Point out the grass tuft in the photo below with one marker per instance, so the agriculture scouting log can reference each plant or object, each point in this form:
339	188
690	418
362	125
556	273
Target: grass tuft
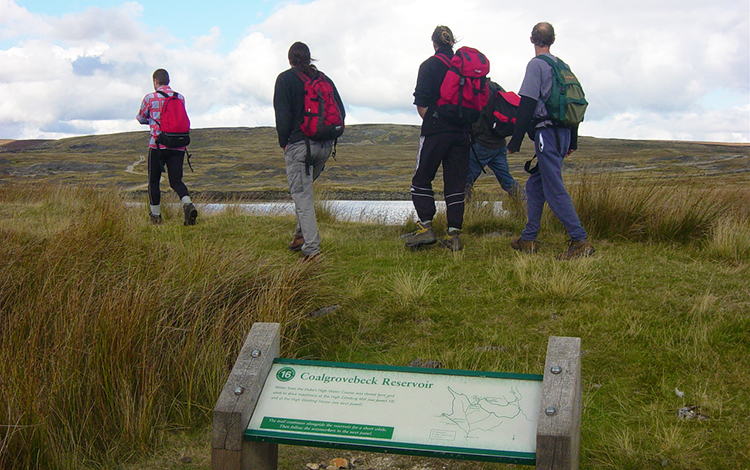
410	287
547	278
729	240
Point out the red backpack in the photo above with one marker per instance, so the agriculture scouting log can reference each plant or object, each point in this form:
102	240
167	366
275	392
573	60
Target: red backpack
323	118
504	112
464	90
174	124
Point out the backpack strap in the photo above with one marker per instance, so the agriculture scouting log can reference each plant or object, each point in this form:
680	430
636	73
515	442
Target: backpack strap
301	76
307	78
165	95
443	58
188	160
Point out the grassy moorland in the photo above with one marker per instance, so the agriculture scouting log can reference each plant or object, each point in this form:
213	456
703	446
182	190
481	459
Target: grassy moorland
116	336
374	161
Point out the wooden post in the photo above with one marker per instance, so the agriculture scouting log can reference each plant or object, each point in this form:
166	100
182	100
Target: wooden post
237	401
558	437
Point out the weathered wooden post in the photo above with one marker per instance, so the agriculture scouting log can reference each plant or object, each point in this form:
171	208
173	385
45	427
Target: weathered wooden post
559	426
237	401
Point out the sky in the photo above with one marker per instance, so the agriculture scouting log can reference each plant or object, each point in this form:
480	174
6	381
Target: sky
651	69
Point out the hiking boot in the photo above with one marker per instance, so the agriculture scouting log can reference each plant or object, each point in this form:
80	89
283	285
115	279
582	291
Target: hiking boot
310	258
526	246
452	241
577	249
155	219
424	235
296	243
190	213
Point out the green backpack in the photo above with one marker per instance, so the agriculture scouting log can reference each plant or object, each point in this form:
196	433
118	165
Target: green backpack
566	103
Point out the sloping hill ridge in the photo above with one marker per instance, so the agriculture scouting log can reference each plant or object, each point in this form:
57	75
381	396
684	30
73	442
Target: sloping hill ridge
373	161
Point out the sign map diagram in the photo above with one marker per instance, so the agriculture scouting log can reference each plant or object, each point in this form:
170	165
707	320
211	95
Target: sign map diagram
483	413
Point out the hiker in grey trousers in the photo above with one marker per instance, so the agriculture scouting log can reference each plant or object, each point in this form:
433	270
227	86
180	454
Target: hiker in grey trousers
300	178
302	168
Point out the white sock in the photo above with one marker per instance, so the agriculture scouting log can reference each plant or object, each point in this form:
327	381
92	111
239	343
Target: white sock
186	200
156	210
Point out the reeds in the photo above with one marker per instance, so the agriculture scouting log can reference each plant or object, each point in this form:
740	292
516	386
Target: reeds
611	207
112	332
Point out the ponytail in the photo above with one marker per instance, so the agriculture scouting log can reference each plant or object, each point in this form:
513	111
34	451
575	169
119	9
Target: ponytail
443	36
299	58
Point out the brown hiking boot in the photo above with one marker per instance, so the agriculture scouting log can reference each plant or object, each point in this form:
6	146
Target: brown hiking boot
526	246
577	249
296	243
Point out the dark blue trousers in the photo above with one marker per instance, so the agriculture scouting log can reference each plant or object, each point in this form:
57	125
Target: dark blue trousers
546	185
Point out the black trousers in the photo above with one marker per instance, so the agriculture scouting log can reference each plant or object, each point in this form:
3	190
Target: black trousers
451	149
173	161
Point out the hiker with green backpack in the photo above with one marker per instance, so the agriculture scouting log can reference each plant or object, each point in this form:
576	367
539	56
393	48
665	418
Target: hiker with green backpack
551	107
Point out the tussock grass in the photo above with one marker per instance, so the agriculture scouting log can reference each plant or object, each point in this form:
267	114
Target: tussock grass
112	332
609	207
547	278
410	287
729	240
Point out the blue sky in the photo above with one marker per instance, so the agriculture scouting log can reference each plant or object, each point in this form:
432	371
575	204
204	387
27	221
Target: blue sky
194	18
671	69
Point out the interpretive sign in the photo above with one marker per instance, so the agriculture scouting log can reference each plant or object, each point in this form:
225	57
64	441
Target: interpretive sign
443	413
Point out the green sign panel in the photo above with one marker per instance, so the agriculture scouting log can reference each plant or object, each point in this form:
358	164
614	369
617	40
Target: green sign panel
326	427
486	416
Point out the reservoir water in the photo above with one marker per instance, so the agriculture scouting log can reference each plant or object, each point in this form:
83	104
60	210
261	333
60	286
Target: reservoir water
376	212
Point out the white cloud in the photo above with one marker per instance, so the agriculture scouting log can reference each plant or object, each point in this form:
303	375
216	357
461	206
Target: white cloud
16	21
650	69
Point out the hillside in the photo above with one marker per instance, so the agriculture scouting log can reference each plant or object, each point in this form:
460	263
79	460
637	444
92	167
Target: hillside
373	161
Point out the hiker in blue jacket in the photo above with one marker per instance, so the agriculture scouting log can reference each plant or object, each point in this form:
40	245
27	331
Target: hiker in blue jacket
440	143
552	143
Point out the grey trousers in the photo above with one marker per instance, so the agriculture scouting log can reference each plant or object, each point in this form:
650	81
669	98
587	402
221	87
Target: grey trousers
301	188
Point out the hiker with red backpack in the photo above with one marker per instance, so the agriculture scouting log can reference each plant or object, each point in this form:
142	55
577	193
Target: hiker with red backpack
309	118
541	114
489	148
166	151
450	92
